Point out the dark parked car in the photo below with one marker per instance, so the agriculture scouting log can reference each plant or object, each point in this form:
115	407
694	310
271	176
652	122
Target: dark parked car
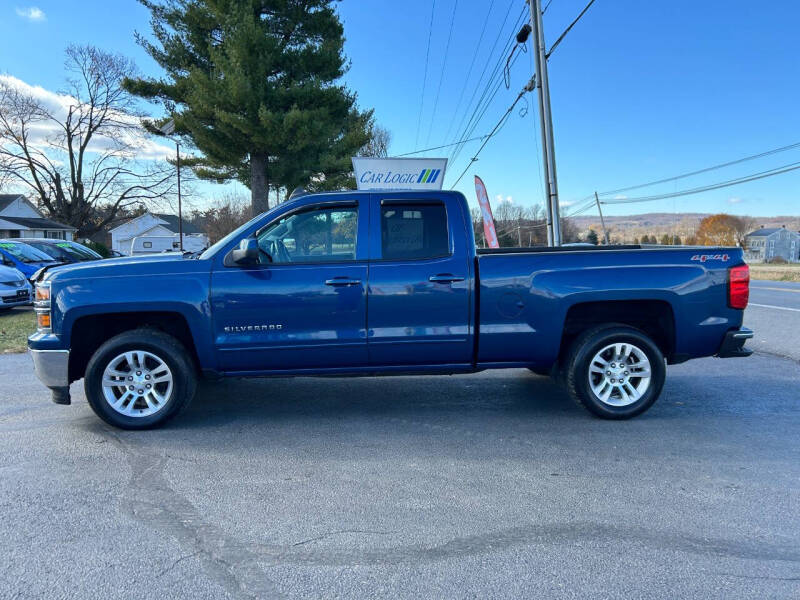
62	251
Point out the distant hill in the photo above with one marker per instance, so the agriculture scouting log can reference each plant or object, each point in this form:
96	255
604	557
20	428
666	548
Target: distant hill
625	228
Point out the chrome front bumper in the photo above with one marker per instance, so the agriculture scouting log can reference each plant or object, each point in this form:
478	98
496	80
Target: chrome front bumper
52	367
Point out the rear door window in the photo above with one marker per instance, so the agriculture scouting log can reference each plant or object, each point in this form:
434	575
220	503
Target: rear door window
412	231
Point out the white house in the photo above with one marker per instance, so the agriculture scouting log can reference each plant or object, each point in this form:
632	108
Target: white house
19	218
153	225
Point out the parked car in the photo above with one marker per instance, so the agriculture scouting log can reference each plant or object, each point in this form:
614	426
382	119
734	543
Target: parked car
15	290
23	257
287	294
62	251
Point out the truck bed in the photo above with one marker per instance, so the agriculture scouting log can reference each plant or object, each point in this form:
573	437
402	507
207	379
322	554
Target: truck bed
529	296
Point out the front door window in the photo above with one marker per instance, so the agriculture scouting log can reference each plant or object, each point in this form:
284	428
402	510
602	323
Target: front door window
311	236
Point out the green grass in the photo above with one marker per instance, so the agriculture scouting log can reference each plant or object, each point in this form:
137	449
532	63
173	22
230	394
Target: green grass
15	327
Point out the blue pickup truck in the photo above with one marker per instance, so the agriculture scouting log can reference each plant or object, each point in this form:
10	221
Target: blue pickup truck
370	283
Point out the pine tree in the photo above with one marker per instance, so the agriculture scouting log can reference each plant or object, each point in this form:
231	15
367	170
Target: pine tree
254	85
591	237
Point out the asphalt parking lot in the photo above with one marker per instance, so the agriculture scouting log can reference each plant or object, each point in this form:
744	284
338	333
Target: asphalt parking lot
485	485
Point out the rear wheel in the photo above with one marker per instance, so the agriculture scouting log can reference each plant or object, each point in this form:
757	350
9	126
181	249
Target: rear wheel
140	379
615	372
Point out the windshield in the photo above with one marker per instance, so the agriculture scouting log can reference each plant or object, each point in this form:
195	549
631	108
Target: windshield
86	253
212	250
24	252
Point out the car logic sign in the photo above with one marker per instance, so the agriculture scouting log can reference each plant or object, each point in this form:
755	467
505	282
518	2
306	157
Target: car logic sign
399	173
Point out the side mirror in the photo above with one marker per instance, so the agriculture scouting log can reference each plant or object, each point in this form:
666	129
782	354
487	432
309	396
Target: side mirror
246	253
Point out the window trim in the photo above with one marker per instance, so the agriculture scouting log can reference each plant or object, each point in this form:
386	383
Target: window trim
412	202
303	209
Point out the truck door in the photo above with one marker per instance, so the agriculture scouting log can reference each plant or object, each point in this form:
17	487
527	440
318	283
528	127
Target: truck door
304	305
420	281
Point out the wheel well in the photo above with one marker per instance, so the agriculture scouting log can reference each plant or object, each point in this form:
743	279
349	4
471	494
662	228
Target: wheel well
653	317
90	332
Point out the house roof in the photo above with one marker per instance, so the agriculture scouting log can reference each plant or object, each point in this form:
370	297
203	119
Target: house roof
38	223
6	199
171	223
764	232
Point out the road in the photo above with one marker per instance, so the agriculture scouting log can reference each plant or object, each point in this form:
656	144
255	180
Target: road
484	485
774	315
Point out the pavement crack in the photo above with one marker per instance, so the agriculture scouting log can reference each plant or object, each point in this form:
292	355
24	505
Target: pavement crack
176	562
342	531
151	500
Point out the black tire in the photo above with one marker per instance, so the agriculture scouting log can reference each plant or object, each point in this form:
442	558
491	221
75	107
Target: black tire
578	364
159	344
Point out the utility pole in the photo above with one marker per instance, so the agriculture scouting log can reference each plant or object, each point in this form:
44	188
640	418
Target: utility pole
180	211
546	119
168	129
602	220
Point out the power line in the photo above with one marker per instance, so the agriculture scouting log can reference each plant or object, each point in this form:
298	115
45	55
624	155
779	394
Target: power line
566	31
469	71
704	170
714	186
483	71
425	76
441	76
549	2
484	102
480	137
499	124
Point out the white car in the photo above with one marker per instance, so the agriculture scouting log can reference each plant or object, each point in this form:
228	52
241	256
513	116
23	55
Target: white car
14	289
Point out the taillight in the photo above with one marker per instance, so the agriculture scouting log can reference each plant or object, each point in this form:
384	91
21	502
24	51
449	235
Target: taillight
738	286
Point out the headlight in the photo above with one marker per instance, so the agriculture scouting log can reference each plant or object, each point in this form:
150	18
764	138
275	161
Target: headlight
43	293
42	307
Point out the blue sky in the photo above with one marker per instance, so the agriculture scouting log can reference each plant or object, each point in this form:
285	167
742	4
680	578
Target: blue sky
640	90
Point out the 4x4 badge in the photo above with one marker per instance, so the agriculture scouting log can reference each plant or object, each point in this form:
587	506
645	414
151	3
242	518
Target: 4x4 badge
704	257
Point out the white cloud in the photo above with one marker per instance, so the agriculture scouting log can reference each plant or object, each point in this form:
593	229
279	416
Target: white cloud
500	199
566	203
144	146
32	13
620	197
734	200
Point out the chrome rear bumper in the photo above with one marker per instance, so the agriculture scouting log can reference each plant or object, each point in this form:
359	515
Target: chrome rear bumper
733	344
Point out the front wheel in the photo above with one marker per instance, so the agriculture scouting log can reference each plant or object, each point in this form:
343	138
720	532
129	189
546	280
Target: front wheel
140	379
615	372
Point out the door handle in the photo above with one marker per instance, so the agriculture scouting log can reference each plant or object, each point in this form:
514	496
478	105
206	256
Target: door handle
445	278
342	281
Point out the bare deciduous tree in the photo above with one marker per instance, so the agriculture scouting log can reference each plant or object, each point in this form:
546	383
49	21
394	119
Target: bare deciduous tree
378	144
225	215
515	225
77	152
